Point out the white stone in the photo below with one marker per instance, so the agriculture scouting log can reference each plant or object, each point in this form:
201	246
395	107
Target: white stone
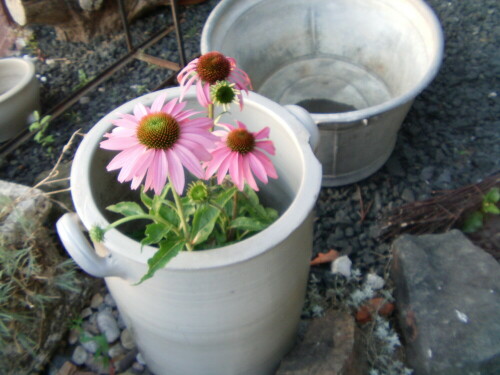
108	326
342	265
374	281
79	356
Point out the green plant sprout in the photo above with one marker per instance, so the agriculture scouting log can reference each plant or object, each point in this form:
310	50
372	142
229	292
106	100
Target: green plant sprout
489	205
39	127
101	352
83	79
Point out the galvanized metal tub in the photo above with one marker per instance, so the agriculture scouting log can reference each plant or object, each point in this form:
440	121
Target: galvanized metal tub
356	65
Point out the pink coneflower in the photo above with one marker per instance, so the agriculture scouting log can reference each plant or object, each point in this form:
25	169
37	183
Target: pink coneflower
241	153
207	70
157	143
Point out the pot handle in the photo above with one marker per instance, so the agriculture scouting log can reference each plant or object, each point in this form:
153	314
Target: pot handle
69	229
307	121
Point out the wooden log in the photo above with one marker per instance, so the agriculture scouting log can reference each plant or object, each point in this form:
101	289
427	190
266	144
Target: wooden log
78	20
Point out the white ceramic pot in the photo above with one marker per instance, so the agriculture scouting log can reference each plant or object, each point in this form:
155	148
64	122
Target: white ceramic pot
231	310
19	96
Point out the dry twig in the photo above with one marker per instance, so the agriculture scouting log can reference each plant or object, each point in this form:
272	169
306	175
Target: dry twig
437	214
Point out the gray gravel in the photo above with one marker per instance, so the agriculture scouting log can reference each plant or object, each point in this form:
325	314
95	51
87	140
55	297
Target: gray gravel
450	137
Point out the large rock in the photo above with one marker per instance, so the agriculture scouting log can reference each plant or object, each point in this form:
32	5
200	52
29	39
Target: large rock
448	302
37	326
331	346
22	209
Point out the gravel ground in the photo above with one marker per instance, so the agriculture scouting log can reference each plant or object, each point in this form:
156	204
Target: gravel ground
449	139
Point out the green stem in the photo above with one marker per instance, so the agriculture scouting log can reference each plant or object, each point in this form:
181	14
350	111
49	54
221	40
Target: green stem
231	233
182	218
211	111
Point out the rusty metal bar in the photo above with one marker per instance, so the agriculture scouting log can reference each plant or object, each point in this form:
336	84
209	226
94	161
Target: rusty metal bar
178	34
123	17
140	55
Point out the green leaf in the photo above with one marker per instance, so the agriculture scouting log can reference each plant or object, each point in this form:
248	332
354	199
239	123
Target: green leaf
145	199
126	208
491	208
45	121
225	196
473	222
154	233
247	223
168	249
48	139
170	215
249	202
493	196
34	127
203	223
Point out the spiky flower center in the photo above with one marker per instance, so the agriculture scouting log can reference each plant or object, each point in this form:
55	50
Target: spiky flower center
198	192
213	67
223	92
159	131
241	141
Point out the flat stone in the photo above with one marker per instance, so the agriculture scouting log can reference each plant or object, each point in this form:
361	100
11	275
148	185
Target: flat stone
330	347
448	303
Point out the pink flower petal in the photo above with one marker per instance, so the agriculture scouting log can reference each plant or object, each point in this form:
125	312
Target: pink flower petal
263	133
189	160
158	103
248	174
140	111
176	171
217	159
266	162
257	167
200	152
267	146
223	168
235	171
125	123
160	171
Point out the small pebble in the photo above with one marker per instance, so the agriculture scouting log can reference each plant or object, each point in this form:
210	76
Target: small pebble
108	300
87	342
96	301
108	326
127	340
74	335
80	355
117	350
140	359
86	312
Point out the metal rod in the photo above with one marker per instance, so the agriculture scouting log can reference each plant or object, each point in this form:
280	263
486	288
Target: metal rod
123	17
178	34
157	61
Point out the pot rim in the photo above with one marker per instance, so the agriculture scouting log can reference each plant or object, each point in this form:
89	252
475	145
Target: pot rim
361	114
28	75
117	242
